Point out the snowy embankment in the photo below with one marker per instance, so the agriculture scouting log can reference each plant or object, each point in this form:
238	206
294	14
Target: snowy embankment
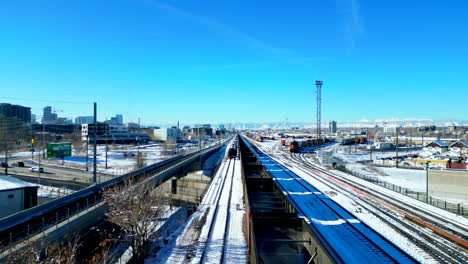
52	192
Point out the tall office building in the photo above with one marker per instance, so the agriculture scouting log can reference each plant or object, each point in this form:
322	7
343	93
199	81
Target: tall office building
48	117
119	119
17	111
332	126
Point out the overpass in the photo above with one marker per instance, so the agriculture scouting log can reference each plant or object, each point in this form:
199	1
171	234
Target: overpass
28	223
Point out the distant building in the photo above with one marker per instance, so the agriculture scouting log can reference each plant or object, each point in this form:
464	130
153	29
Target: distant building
427	129
48	117
80	120
202	131
390	129
438	146
116	120
33	119
461	146
63	121
206	126
170	135
57	129
109	134
17	111
88	130
332	126
16	195
133	126
118	129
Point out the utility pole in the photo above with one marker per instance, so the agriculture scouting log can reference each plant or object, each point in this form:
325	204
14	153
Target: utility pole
318	84
43	140
422	139
427	182
87	149
94	142
32	143
177	138
6	147
397	132
199	138
106	148
39	168
138	144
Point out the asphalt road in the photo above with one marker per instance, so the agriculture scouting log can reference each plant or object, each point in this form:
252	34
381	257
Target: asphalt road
53	172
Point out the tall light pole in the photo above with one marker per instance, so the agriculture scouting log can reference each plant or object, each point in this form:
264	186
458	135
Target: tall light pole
94	146
318	84
396	147
427	182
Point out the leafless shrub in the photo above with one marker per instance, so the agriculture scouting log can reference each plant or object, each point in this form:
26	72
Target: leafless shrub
136	208
43	252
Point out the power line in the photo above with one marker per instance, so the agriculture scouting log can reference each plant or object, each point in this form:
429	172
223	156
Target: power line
42	100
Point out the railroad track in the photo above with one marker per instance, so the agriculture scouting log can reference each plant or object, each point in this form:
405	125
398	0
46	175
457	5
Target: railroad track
329	220
439	248
214	249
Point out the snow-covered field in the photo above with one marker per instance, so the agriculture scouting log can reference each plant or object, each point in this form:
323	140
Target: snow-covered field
408	178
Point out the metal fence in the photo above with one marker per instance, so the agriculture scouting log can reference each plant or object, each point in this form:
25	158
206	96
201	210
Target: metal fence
456	208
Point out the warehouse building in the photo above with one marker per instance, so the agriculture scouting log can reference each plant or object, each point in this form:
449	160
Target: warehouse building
16	195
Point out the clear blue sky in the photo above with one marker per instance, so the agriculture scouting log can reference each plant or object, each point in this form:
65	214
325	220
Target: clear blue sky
236	61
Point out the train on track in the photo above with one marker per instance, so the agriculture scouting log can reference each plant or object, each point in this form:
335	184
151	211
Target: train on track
353	140
296	145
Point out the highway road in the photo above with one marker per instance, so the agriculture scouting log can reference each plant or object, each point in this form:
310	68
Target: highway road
54	172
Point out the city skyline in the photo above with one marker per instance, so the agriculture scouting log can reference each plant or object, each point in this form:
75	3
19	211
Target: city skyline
168	61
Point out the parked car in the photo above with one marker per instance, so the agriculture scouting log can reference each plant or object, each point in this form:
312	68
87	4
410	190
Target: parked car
4	165
20	164
36	169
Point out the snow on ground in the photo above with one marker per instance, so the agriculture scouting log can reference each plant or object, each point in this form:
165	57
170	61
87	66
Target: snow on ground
169	220
190	243
451	217
349	154
408	178
52	192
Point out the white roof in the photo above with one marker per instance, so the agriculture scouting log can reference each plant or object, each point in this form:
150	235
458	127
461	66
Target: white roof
8	182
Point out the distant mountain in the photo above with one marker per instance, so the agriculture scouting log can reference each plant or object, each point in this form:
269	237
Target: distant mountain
406	122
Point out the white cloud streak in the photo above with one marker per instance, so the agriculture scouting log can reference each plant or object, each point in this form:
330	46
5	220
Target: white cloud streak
222	28
353	26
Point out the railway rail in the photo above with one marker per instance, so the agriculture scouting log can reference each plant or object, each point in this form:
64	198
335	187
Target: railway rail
439	248
218	233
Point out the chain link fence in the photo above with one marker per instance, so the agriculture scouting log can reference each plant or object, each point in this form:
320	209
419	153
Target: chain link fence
456	208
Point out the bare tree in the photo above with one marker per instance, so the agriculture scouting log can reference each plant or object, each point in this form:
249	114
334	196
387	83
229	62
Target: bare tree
102	254
136	208
43	252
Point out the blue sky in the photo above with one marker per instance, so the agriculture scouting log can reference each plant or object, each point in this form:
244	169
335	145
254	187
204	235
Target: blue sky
236	61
